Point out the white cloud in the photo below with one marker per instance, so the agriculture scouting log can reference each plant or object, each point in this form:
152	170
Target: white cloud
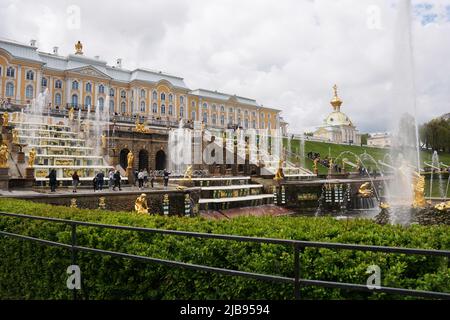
285	53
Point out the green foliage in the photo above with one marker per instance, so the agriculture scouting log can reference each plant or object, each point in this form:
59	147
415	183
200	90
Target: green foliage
436	134
32	271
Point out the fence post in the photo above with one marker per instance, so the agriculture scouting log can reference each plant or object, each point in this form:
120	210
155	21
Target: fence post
297	271
73	253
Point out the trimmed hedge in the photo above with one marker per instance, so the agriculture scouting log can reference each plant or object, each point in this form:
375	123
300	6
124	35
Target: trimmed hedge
32	271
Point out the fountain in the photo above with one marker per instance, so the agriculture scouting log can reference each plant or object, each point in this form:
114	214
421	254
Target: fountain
180	149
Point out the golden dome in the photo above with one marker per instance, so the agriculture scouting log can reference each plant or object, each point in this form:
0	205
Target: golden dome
336	102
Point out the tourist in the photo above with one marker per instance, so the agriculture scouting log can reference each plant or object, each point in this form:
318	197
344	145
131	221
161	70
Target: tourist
117	179
152	178
166	177
94	182
100	180
141	179
110	179
52	180
136	178
145	178
75	181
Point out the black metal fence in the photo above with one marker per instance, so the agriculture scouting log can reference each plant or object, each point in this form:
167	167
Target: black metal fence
297	247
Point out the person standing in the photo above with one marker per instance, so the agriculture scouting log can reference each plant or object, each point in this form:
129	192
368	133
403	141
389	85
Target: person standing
152	179
166	177
100	180
141	179
52	180
94	182
75	181
145	178
110	179
117	179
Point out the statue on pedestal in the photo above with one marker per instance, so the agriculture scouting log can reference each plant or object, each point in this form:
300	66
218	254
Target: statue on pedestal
104	141
5	119
4	156
15	136
130	160
31	158
188	173
140	205
71	115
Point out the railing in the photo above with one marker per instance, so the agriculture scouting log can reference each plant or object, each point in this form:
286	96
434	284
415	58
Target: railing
296	245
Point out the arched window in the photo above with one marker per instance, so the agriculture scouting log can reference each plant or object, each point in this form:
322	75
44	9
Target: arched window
123	107
230	110
123	94
222	120
74	100
58	84
181	111
246	123
254	124
88	87
30	75
246	113
155	108
155	95
101	104
193	115
205	105
222	108
111	106
170	109
29	92
163	109
205	117
9	89
142	106
214	119
193	104
230	120
44	82
75	85
10	72
111	92
170	97
142	93
87	101
163	96
57	99
101	89
181	100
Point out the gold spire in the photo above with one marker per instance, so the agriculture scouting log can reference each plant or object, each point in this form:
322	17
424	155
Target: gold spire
78	48
336	102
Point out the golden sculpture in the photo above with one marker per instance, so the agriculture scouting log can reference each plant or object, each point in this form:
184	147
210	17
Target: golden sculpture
71	114
419	191
78	48
4	156
140	127
443	206
103	141
316	169
384	205
130	160
31	157
140	205
188	173
102	203
279	175
365	190
73	203
15	136
5	119
336	102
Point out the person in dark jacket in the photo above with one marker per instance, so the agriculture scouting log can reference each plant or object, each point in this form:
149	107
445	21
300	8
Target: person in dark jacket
75	181
117	179
166	177
100	180
52	180
94	183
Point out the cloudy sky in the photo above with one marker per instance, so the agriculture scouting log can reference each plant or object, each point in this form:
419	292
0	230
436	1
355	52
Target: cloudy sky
284	53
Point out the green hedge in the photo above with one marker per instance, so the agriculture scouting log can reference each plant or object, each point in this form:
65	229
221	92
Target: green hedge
32	271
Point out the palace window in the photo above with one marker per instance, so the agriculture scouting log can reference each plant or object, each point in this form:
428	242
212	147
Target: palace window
74	100
10	72
155	95
214	119
101	89
142	93
44	82
142	106
222	108
182	111
193	104
181	100
75	85
155	108
88	87
230	110
101	104
163	96
214	107
193	115
30	75
246	113
111	106
123	94
239	111
58	84
111	92
246	123
170	97
205	117
222	120
57	99
87	101
9	89
254	124
123	107
170	109
230	120
205	106
29	92
253	114
163	109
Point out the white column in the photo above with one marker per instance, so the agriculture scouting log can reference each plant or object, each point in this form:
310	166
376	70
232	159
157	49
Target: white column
19	81
68	86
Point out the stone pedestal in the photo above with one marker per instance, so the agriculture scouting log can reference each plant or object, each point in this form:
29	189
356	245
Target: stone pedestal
4	178
130	175
20	157
29	173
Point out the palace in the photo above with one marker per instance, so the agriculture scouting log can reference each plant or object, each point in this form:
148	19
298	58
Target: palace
86	83
338	127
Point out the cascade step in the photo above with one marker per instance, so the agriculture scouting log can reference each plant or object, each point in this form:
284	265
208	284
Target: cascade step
236	199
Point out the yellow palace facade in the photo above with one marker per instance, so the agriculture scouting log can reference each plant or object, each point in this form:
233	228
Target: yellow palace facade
82	82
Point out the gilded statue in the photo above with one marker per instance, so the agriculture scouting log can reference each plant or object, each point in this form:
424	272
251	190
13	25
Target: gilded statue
15	136
130	158
31	158
140	205
365	190
188	173
78	48
103	141
5	119
279	175
4	156
443	206
71	114
140	127
419	190
316	168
